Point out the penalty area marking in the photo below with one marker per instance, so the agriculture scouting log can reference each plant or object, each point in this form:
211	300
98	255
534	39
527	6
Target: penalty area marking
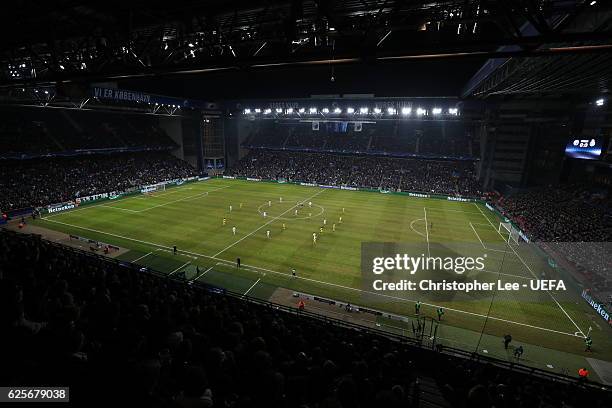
260	211
122	199
221	260
412	226
482	243
529	269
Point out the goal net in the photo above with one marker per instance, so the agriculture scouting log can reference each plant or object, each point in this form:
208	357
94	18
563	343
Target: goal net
153	188
510	234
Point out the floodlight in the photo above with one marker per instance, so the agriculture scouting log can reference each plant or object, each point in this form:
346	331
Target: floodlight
437	111
267	111
350	110
289	111
421	111
363	110
313	110
337	110
247	111
325	110
406	111
391	111
377	110
279	110
599	102
257	110
453	111
302	110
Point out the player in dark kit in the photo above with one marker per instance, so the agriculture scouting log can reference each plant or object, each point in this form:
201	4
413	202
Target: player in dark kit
518	352
174	250
507	340
237	262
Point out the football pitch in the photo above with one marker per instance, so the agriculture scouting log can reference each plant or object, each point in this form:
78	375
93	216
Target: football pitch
191	217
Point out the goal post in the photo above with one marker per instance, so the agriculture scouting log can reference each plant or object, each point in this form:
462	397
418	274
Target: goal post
509	232
153	188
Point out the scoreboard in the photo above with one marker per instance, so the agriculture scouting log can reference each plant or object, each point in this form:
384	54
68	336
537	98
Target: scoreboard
584	148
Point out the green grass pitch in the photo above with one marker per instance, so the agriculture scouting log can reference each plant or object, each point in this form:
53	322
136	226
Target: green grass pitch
190	216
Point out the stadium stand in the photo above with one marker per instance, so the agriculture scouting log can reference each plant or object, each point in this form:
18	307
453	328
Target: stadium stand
443	177
42	131
568	212
573	220
444	139
37	182
98	324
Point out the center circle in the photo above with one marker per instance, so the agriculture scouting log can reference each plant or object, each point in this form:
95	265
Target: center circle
263	207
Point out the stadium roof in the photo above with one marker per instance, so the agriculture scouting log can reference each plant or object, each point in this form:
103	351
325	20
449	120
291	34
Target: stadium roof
69	40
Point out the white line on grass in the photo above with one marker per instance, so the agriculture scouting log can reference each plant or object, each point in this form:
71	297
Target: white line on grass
412	227
179	268
426	231
142	257
121	199
267	223
205	272
450	209
478	236
408	300
306	279
483	245
249	289
165	193
480	223
529	269
182	199
118	208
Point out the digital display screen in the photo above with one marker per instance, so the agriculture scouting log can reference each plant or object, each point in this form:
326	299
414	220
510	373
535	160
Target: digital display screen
584	148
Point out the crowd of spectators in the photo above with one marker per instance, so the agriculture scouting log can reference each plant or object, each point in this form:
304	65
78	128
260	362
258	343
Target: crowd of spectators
119	335
37	131
393	174
39	182
572	220
428	139
570	213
